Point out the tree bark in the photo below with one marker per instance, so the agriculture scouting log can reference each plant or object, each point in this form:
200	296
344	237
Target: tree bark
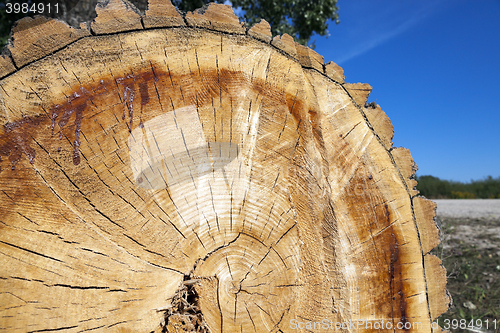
195	176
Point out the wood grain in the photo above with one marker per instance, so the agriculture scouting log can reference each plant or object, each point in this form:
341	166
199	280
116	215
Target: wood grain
161	13
309	58
407	167
286	44
115	16
380	123
262	31
34	38
216	17
359	92
334	72
6	65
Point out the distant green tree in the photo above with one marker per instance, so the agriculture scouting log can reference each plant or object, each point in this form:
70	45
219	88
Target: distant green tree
435	188
298	18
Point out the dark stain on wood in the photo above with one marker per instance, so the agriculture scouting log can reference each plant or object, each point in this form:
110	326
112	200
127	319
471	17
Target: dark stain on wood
371	219
144	92
128	83
17	137
387	213
196	90
396	282
76	104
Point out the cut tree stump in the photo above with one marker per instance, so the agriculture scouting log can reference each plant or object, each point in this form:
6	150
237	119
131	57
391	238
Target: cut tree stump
188	175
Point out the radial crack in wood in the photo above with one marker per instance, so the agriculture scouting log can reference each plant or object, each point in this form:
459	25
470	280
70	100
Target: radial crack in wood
194	180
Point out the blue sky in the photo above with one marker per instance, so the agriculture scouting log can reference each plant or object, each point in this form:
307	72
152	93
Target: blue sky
434	66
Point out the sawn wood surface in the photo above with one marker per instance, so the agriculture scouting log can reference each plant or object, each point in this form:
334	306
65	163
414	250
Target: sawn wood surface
163	172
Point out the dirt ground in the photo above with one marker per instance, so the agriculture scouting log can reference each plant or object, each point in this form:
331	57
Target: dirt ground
475	222
470	250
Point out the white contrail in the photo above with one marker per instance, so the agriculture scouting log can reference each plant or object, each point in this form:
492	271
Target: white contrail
390	29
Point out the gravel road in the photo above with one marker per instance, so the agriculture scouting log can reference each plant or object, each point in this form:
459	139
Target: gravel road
474	221
471	208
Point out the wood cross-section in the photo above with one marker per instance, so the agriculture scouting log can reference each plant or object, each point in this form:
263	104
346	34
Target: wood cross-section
192	176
